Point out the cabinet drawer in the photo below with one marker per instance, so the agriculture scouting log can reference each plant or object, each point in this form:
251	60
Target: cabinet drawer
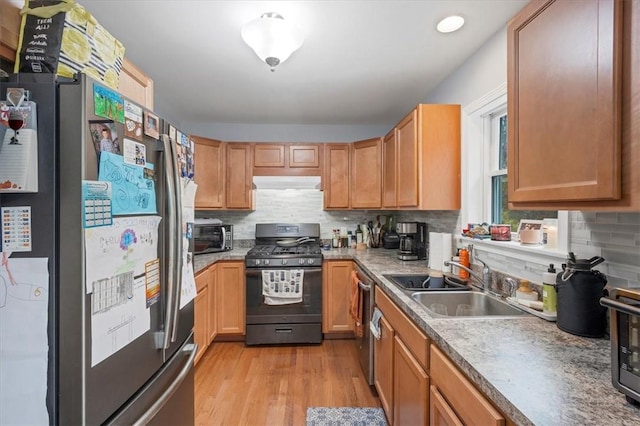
202	280
469	404
412	336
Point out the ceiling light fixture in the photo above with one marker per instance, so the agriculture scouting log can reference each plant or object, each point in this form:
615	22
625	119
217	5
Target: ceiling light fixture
450	24
272	38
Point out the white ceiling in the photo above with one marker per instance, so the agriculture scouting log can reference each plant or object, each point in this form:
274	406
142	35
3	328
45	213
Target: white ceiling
362	62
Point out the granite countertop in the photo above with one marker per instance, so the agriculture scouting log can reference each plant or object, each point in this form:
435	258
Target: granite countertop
531	370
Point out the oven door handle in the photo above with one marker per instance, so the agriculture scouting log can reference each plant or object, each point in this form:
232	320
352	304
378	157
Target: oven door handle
619	306
258	271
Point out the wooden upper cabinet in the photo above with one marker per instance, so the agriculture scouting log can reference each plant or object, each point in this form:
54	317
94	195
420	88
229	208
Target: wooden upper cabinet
287	159
268	155
9	30
389	164
582	155
564	111
366	174
407	161
438	153
209	173
304	156
335	179
421	160
136	85
239	180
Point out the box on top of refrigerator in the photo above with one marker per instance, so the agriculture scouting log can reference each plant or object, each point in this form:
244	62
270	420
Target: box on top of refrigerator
63	38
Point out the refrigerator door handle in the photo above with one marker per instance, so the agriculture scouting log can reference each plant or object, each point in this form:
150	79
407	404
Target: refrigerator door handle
171	194
168	393
178	240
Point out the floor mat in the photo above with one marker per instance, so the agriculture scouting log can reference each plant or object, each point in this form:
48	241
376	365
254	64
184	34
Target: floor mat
345	416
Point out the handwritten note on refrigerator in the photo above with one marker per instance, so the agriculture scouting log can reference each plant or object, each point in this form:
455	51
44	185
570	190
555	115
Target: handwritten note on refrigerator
24	304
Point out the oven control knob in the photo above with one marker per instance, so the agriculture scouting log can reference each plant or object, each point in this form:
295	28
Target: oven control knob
301	261
257	262
310	261
266	261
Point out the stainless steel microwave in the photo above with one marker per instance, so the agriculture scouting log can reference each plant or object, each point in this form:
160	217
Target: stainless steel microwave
211	238
625	341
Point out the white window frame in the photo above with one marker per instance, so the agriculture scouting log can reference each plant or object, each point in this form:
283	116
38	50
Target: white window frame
477	168
491	122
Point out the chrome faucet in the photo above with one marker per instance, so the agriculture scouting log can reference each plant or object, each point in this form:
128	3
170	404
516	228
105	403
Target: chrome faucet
484	280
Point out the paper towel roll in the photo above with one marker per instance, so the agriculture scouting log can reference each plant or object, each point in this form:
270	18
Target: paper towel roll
435	251
446	251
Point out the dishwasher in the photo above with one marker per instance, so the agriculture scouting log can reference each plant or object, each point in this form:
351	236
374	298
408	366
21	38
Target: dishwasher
364	344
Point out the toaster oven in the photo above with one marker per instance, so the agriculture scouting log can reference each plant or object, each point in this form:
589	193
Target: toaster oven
624	311
212	237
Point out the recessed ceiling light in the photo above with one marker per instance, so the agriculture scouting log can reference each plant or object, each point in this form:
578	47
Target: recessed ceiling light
450	24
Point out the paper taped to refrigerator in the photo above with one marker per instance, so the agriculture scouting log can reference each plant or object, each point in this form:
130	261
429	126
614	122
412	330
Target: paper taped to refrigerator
119	315
133	191
127	245
24	304
116	265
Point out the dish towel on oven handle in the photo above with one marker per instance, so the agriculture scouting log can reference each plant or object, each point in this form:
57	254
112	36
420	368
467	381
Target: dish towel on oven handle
282	286
355	304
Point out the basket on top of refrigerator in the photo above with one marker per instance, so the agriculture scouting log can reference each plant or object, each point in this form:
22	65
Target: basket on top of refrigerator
63	38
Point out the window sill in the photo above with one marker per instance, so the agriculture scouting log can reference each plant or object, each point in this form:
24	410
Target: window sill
513	249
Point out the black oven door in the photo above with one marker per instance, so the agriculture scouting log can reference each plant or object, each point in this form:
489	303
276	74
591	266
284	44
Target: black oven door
208	238
307	311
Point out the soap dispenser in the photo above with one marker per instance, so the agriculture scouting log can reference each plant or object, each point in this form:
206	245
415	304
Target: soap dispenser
524	292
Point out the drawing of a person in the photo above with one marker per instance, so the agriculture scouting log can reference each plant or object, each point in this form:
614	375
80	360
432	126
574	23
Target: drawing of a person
106	144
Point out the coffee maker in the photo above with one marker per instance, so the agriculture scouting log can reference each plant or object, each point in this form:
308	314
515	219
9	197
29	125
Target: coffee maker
413	240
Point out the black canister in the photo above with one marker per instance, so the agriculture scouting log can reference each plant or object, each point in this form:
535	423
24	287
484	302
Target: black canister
579	291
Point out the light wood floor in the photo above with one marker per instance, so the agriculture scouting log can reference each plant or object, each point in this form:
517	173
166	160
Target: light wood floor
240	385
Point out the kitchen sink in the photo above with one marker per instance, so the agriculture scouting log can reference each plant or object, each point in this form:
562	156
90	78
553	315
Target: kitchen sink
470	304
421	282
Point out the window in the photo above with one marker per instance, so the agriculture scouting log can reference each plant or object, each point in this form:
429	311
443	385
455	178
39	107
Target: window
497	174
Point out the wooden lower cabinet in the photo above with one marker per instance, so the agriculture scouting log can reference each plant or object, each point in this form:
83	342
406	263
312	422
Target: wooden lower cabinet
440	413
410	388
336	286
213	317
230	297
383	367
417	384
201	313
400	366
461	396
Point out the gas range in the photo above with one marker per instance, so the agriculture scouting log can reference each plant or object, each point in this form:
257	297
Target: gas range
285	245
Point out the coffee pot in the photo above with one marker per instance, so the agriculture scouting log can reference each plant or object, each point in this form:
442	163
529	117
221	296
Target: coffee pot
413	240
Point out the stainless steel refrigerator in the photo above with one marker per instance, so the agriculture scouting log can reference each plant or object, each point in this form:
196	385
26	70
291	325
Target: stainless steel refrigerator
150	378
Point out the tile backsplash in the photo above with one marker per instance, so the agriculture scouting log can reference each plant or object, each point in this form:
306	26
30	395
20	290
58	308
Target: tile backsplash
305	205
614	236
